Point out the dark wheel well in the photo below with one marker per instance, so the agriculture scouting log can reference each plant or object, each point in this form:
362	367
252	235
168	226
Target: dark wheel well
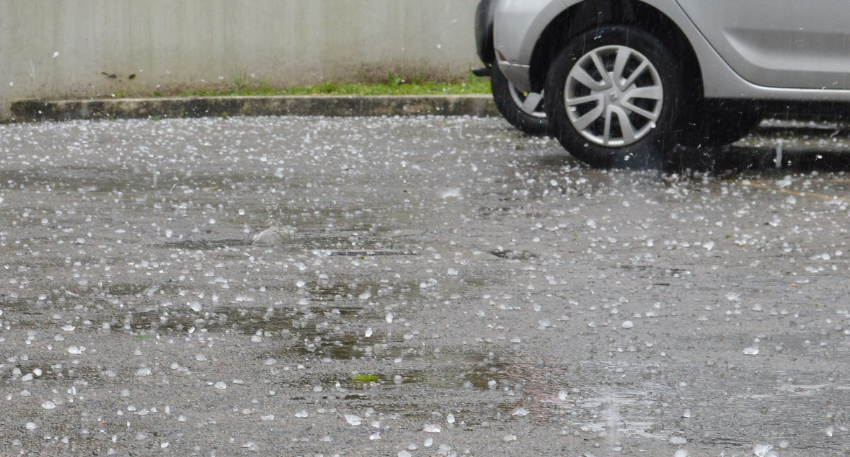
595	13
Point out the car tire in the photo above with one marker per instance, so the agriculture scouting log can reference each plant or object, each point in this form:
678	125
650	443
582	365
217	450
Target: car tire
612	98
521	110
713	128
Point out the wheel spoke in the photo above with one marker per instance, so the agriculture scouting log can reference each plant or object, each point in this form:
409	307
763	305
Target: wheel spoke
636	74
584	122
603	72
606	134
586	99
580	75
649	92
625	125
640	111
623	56
532	102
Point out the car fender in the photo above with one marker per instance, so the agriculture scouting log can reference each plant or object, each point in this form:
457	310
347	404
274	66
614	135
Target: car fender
484	15
515	44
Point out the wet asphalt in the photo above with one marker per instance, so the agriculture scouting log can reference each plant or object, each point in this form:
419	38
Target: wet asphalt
417	287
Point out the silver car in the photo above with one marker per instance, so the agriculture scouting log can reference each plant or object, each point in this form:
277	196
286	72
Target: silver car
625	81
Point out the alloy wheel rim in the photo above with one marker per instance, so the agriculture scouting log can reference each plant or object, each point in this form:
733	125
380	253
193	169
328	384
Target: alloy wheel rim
613	96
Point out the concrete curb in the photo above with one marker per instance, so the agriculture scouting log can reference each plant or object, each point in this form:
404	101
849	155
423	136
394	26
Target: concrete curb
143	108
314	105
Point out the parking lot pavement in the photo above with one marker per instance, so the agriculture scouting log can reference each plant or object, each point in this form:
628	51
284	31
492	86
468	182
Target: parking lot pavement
414	287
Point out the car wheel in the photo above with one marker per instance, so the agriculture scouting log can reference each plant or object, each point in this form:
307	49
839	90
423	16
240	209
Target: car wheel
611	98
522	110
712	128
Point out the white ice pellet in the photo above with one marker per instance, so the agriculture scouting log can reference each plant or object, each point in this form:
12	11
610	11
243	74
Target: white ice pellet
763	450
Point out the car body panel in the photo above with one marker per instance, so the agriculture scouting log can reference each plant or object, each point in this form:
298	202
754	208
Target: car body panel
747	74
778	43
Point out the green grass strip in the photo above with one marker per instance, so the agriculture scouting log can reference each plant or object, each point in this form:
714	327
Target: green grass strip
393	86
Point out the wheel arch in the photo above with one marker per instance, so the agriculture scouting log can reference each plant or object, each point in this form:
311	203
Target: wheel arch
589	14
484	14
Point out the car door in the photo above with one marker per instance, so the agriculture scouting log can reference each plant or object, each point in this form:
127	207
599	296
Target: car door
779	43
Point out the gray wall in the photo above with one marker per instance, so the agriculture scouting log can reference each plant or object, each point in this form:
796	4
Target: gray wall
93	48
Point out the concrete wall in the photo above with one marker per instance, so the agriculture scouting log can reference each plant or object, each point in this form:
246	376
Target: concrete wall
93	48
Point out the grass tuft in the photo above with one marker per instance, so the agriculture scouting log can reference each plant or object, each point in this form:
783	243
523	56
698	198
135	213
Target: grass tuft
365	379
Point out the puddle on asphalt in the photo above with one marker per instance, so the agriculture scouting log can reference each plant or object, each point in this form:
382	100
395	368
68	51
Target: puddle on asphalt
313	332
451	369
56	372
339	245
125	289
330	325
342	243
508	254
127	180
14	303
205	244
22	313
454	370
75	179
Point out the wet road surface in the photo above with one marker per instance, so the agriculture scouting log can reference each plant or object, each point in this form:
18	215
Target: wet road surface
416	287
